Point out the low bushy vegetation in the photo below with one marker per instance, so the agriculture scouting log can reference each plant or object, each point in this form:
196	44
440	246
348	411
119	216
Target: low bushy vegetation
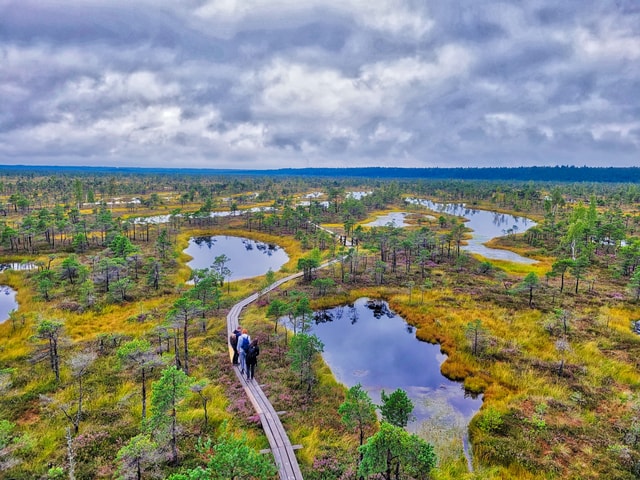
549	346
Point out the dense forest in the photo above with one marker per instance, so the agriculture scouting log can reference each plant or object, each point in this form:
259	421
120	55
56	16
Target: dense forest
116	362
565	173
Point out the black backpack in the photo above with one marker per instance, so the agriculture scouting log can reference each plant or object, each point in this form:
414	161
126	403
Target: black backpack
252	353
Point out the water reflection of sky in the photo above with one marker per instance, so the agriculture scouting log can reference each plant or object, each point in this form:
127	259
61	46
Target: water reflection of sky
7	302
20	266
485	225
248	258
158	219
394	218
358	195
379	350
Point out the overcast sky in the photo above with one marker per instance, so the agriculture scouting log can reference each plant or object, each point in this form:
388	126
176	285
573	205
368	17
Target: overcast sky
319	83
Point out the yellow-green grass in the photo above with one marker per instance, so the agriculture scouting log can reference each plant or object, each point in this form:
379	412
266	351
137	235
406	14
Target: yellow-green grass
438	323
442	318
83	328
600	367
333	226
519	269
620	318
311	437
47	447
307	430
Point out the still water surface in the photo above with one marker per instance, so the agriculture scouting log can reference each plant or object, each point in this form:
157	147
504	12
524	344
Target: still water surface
7	302
367	343
158	219
486	225
394	218
248	258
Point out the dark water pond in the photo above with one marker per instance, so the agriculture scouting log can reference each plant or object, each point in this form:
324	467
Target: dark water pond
7	302
248	258
485	225
369	344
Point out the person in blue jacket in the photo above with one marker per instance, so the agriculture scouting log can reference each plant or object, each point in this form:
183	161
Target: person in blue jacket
244	341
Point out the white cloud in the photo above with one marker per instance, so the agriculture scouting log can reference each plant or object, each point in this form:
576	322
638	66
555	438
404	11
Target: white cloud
305	91
332	82
450	61
386	133
628	132
503	124
388	16
383	88
118	86
611	43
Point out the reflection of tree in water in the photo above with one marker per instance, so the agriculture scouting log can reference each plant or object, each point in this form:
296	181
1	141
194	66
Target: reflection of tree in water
266	248
353	313
380	308
208	241
323	316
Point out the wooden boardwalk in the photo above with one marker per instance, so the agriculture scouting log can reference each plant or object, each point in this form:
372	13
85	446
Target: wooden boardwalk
286	461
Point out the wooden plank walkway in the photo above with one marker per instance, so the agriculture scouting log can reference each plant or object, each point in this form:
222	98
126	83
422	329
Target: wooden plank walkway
283	451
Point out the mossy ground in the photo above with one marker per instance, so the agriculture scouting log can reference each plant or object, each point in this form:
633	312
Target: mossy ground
536	422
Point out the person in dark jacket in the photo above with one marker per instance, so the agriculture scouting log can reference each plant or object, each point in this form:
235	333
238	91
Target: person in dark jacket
233	341
252	358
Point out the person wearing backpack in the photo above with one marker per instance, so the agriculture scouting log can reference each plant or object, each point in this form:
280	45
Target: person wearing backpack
244	341
252	358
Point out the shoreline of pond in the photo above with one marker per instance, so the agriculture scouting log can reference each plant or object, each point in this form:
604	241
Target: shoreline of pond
201	249
431	390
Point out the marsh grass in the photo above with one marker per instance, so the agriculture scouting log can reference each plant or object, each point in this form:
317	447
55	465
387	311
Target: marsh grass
520	368
517	371
112	402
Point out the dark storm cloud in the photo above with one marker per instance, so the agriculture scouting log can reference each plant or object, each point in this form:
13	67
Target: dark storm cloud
253	84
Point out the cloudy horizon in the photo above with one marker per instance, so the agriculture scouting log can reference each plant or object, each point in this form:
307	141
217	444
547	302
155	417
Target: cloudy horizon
252	84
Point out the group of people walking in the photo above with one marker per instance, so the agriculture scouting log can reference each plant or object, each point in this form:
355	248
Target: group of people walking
245	351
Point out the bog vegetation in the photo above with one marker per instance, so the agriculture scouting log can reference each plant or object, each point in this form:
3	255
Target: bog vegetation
116	363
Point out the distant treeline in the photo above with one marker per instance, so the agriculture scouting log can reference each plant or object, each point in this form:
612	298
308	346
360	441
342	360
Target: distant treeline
546	174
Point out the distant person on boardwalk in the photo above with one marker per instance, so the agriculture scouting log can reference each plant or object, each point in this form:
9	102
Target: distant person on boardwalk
244	341
233	341
252	358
